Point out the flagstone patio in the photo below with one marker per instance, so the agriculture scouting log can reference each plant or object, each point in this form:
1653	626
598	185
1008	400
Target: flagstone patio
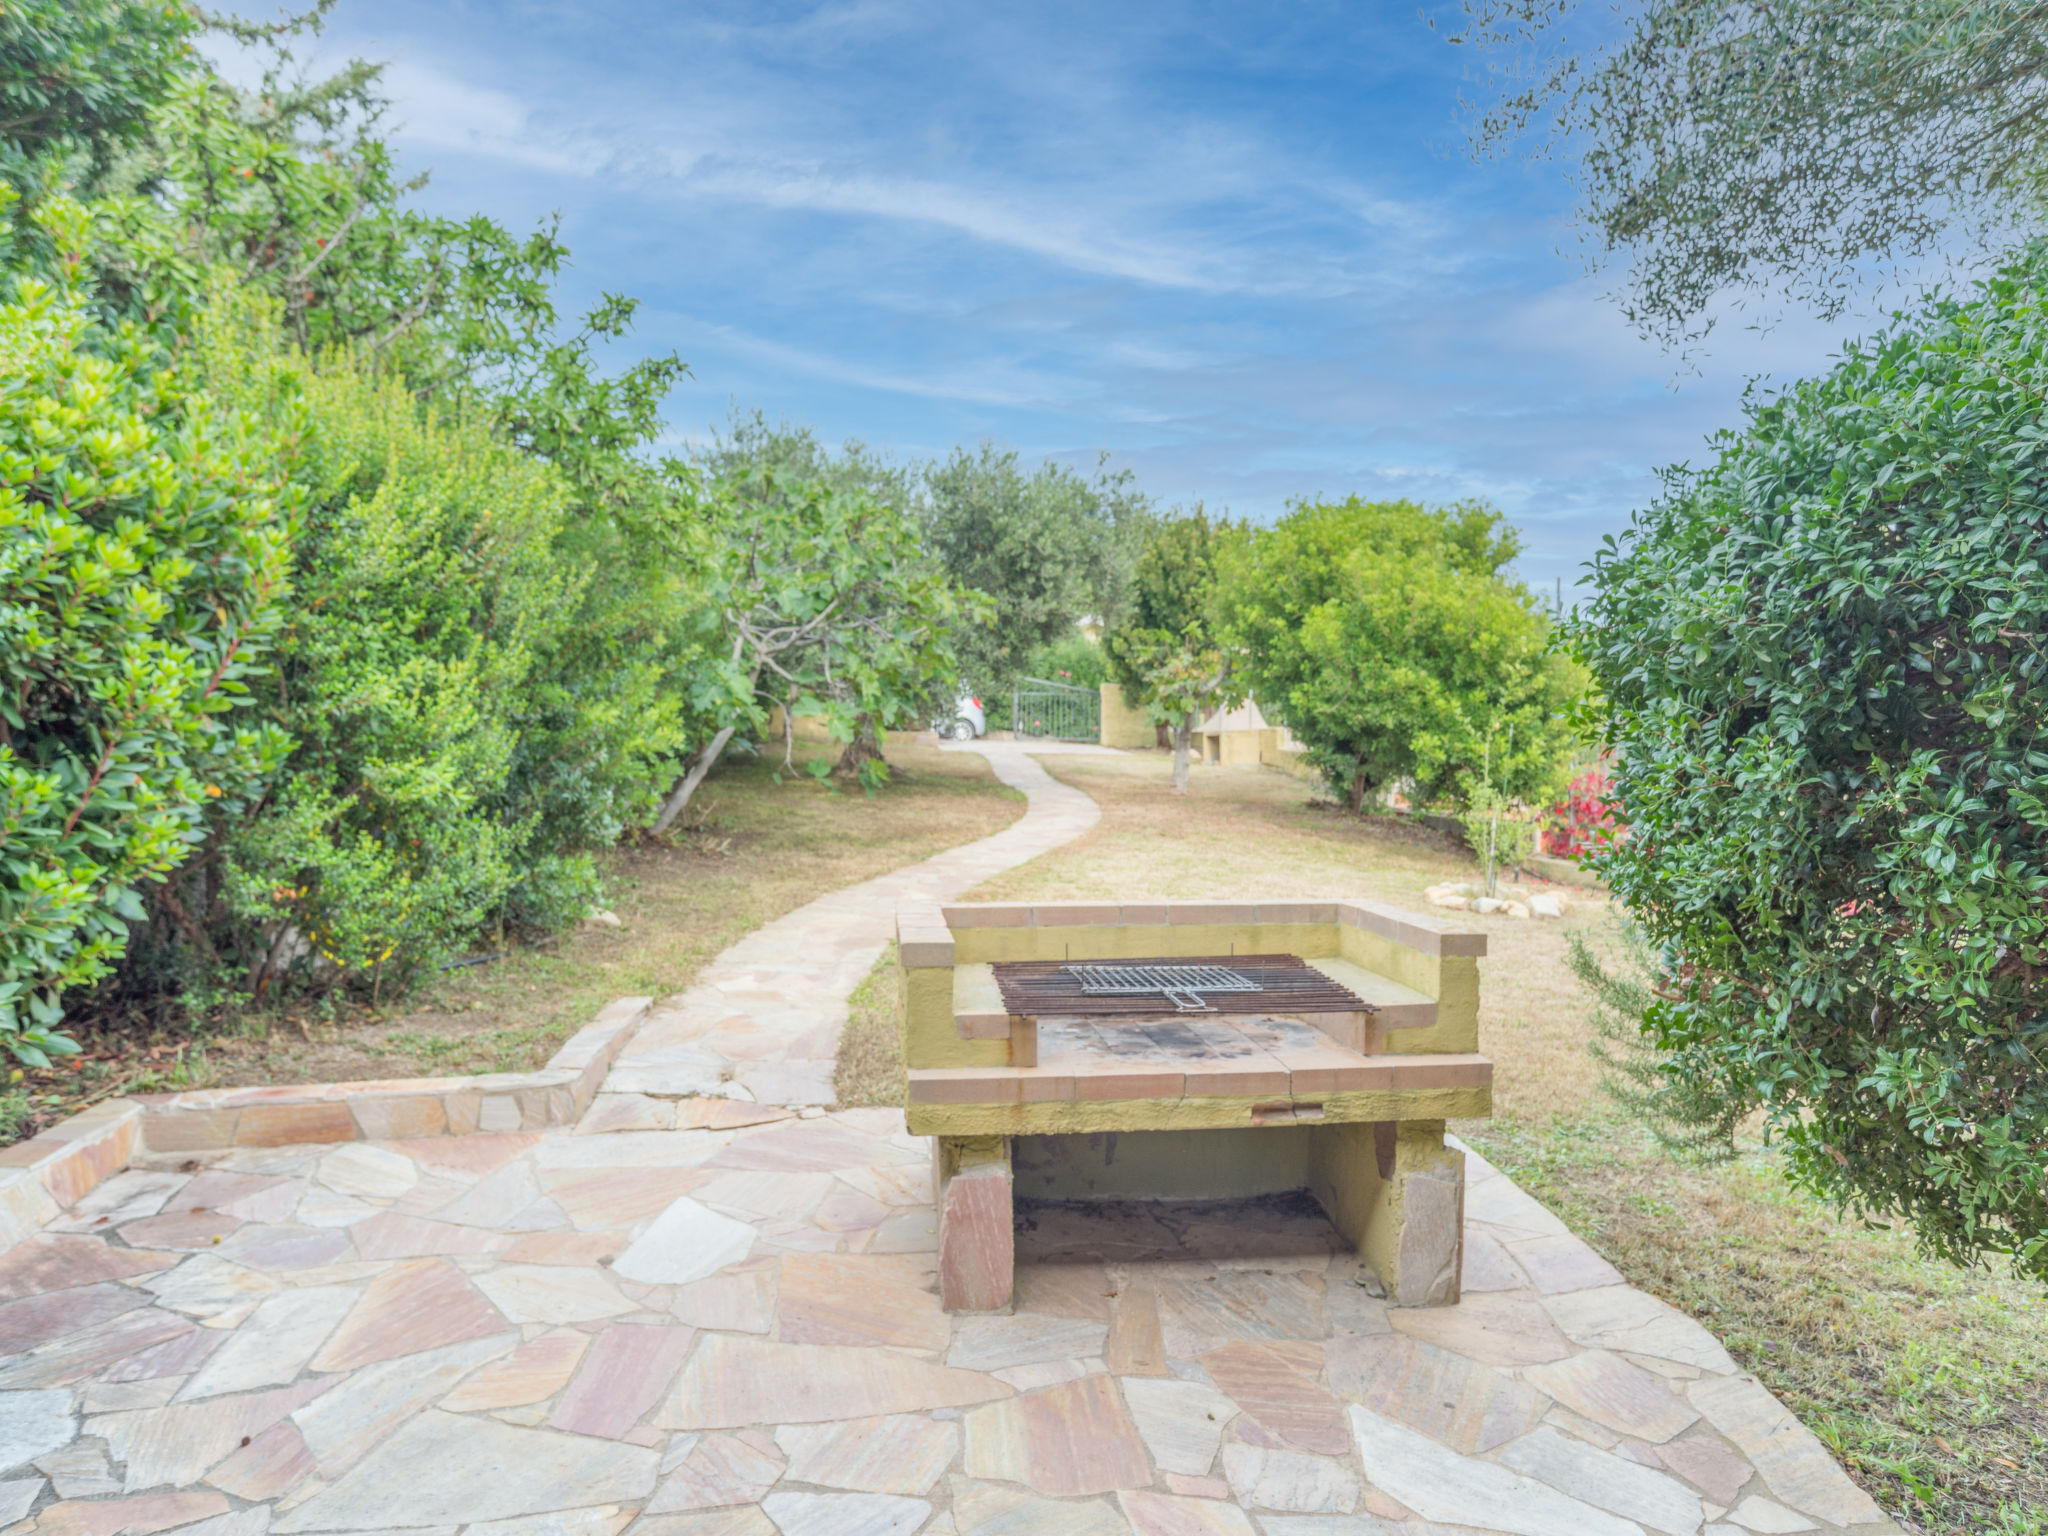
709	1310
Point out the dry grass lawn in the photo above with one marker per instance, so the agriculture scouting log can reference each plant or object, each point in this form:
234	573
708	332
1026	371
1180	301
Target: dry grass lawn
755	849
1931	1383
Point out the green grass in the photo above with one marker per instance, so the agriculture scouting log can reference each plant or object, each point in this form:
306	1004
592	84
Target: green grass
1930	1382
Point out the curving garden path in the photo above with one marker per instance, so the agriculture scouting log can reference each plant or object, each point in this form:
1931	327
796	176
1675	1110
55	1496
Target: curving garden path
708	1310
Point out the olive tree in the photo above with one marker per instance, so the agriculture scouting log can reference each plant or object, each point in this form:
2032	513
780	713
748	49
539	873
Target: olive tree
1776	144
1825	664
1389	639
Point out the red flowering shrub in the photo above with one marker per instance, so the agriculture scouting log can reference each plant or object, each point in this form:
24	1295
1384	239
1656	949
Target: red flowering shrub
1583	819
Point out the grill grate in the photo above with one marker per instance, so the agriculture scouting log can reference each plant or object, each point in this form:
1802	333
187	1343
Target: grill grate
1184	986
1193	984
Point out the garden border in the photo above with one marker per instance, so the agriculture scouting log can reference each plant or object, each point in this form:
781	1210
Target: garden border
46	1175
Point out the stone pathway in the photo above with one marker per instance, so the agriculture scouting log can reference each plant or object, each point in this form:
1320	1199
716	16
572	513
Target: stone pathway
728	1327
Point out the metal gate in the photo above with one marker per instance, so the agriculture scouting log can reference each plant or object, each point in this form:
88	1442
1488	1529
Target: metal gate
1047	710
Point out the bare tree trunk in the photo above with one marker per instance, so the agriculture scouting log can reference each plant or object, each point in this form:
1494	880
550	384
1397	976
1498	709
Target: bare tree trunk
1357	794
789	733
865	748
673	807
1182	731
1162	735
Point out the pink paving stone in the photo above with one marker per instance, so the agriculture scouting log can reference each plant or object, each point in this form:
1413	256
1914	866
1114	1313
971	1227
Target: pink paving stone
1613	1392
977	1240
1078	1439
1160	1514
1559	1264
579	1248
272	1463
128	1517
466	1156
210	1191
846	1210
1704	1460
181	1443
187	1230
899	1453
1470	1407
143	1346
388	1235
1504	1328
726	1114
1275	1384
1197	1487
277	1203
284	1125
618	1197
39	1319
532	1373
50	1262
805	1147
844	1299
414	1307
286	1247
627	1371
740	1301
1065	1290
718	1470
731	1382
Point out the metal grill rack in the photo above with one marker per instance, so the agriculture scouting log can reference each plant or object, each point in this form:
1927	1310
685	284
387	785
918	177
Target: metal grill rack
1184	986
1282	984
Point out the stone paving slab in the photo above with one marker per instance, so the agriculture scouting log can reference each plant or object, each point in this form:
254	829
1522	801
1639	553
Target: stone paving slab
726	1324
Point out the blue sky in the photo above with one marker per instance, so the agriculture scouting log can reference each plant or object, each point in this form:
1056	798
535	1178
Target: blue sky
1240	248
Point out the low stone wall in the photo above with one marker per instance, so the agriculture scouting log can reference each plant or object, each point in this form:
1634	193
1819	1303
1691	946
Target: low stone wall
42	1177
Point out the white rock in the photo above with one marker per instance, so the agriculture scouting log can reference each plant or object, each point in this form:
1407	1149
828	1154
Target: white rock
1621	1487
324	1208
445	1467
686	1242
274	1344
845	1514
1487	905
603	918
1455	903
1757	1513
1181	1422
553	1293
1515	909
357	1168
1290	1480
16	1497
1439	1484
1546	904
32	1423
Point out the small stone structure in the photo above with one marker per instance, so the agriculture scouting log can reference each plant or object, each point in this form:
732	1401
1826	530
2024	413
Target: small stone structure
1350	1107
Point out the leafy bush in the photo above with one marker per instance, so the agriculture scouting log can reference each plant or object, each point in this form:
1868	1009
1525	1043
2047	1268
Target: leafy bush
144	528
1387	638
1827	695
429	599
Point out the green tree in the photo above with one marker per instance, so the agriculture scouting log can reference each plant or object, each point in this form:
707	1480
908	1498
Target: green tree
1389	640
1826	688
1165	655
1721	148
826	603
145	516
1047	548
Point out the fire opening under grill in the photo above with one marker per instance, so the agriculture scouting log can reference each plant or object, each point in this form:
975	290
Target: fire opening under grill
1196	984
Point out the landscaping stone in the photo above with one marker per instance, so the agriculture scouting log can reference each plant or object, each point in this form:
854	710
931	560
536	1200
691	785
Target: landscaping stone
423	1335
687	1242
32	1423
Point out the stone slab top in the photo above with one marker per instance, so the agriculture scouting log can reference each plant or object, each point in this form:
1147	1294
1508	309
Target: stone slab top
925	931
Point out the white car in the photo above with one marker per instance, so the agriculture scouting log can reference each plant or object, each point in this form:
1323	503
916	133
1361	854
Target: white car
968	721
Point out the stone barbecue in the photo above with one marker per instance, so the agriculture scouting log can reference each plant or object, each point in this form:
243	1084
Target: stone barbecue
1194	1051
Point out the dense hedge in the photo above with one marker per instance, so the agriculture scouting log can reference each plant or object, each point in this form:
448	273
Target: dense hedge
1825	659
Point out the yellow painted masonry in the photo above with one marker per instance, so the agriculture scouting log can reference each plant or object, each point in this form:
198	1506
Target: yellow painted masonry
1067	1117
1117	942
1123	726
